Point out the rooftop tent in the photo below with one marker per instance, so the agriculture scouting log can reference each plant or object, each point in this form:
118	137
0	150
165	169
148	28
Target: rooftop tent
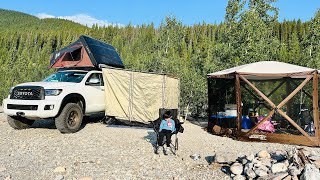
86	52
278	100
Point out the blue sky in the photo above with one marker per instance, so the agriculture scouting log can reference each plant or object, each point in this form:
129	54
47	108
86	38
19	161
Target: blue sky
138	12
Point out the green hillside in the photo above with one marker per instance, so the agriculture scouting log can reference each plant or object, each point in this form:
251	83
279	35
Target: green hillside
20	21
14	19
189	52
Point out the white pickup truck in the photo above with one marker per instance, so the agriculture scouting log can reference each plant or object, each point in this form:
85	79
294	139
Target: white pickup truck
66	96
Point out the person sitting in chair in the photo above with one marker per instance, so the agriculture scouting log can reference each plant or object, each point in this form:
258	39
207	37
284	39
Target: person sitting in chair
167	127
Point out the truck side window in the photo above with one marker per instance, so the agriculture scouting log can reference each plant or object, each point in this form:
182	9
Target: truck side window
95	79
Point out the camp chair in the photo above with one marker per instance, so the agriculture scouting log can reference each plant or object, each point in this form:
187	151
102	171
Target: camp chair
156	126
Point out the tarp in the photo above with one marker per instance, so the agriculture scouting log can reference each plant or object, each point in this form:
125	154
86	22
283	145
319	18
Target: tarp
265	70
138	96
86	52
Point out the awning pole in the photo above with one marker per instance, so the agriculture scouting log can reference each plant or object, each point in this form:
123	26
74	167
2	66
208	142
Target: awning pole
315	105
238	102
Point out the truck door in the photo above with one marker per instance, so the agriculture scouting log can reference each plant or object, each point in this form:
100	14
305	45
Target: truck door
94	91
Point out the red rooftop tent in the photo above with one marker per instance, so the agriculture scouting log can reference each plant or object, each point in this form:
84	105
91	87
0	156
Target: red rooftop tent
86	52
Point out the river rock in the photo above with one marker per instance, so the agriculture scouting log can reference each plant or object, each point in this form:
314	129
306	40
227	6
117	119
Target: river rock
281	152
257	162
265	162
261	172
263	154
279	155
280	176
248	166
98	162
317	163
220	159
59	177
250	157
286	162
59	169
294	177
294	171
239	177
261	167
279	167
250	173
236	168
287	178
314	157
310	172
244	161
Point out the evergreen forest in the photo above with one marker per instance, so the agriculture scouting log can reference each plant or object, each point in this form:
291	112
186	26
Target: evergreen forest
251	32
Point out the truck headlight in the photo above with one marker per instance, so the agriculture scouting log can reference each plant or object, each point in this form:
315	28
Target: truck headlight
52	92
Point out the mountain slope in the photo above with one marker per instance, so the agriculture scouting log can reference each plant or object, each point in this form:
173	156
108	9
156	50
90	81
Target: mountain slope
20	21
12	19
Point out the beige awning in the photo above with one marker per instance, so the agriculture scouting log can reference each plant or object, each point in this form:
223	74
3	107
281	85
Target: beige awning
138	96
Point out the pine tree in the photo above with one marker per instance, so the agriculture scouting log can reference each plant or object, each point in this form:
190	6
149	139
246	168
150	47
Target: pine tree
311	43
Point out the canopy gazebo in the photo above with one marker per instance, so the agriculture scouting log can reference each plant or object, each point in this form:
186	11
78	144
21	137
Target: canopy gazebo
274	88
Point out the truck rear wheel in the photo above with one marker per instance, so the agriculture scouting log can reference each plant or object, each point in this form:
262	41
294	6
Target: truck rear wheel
70	118
19	122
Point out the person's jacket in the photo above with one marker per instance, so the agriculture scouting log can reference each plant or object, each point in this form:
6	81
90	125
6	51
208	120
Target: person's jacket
168	125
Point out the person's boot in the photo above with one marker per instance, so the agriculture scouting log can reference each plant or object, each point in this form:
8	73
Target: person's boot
157	150
165	150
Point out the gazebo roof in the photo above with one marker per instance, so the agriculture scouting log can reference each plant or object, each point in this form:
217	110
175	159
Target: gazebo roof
264	70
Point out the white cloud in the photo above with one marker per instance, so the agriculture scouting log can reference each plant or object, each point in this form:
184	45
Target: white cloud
81	19
44	15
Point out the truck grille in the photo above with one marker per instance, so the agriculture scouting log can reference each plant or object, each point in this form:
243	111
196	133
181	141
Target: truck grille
28	93
22	107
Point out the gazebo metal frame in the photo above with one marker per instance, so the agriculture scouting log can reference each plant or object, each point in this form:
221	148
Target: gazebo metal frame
252	135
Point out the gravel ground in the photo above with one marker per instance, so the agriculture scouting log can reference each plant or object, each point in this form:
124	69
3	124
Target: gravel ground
99	151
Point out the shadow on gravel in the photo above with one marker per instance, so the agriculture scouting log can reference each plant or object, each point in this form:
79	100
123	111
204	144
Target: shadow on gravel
151	138
210	159
226	170
49	123
126	126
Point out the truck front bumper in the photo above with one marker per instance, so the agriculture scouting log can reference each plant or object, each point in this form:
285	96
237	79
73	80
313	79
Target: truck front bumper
31	109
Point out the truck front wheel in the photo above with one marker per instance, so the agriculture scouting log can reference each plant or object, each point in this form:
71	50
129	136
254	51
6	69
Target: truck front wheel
70	118
19	122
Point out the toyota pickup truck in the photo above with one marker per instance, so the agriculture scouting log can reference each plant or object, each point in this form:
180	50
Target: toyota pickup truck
75	91
66	96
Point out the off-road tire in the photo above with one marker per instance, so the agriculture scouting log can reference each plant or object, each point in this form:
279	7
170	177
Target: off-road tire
19	122
70	118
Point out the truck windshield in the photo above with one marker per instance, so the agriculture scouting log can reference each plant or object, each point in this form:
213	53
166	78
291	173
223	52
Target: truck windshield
66	76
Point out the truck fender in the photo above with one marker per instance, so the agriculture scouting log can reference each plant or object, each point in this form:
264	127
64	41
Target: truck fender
73	98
